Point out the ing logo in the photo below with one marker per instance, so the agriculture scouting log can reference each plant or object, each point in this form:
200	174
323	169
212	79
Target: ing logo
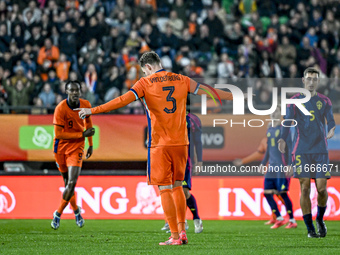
6	205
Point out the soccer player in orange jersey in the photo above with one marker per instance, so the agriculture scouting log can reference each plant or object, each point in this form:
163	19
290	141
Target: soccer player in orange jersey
164	95
69	143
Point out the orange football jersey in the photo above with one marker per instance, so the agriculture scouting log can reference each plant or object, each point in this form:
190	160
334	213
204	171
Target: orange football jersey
164	95
66	117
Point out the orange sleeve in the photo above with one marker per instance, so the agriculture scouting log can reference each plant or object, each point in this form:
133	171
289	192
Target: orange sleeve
58	117
59	134
116	103
257	155
138	88
88	124
200	89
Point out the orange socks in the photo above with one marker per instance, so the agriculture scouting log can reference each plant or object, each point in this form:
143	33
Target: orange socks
181	206
73	203
169	209
62	206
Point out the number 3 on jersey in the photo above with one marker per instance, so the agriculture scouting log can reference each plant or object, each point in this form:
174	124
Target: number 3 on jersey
169	98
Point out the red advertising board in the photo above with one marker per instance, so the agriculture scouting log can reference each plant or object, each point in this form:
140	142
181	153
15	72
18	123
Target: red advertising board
122	138
129	197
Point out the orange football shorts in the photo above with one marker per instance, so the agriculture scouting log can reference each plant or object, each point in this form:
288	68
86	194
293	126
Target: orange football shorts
166	164
63	161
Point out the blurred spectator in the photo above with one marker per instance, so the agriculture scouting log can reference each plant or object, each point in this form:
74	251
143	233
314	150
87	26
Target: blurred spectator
19	93
169	44
5	39
87	94
133	73
214	24
175	23
38	107
316	19
53	80
313	38
36	37
28	64
181	7
18	36
7	61
19	76
143	10
203	45
332	23
234	37
112	93
91	78
327	35
33	10
68	44
151	37
225	69
121	6
133	42
122	23
293	71
247	6
192	24
47	56
47	96
285	54
62	67
46	25
91	53
334	94
247	49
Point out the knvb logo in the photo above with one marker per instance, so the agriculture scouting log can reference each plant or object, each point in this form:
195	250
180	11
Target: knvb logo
238	100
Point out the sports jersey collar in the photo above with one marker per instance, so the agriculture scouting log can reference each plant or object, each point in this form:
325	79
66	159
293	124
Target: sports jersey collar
71	106
161	70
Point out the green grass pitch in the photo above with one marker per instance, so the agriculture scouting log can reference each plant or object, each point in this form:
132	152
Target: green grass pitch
143	236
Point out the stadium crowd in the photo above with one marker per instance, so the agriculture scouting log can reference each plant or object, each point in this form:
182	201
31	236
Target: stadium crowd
43	43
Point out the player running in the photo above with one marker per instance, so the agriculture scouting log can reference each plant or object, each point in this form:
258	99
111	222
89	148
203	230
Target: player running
310	149
276	181
164	95
69	147
195	149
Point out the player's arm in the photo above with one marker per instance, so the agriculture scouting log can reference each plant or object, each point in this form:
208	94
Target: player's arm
290	114
137	91
88	125
330	121
200	89
61	134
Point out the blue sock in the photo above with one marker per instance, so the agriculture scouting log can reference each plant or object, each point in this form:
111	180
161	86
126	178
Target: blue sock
272	204
191	203
288	204
309	222
321	212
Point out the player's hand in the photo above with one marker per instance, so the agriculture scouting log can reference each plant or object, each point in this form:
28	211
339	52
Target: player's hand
89	152
197	168
83	112
237	162
281	145
330	133
89	132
